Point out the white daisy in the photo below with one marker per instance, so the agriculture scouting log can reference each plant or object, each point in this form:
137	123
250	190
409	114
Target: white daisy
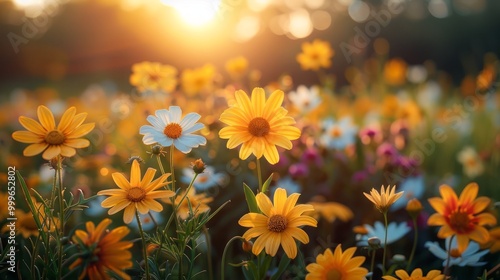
413	187
204	180
338	134
305	99
394	233
170	128
470	257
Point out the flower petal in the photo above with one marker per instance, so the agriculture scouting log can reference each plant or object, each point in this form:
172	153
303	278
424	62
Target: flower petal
32	125
66	119
135	174
46	118
27	137
51	152
35	149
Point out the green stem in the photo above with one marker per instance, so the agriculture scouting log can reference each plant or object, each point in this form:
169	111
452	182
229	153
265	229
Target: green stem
372	265
415	241
259	174
153	219
447	266
172	175
385	243
160	164
209	254
493	270
186	192
61	218
224	255
144	245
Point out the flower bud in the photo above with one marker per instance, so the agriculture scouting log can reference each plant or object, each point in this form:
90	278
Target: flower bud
414	207
374	242
198	166
247	246
156	150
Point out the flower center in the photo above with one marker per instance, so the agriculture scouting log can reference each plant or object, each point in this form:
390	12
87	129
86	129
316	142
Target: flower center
460	221
277	223
333	274
203	179
153	77
55	137
335	132
259	127
454	253
173	130
136	194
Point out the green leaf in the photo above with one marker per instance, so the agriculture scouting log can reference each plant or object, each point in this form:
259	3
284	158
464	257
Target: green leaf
266	184
284	262
251	201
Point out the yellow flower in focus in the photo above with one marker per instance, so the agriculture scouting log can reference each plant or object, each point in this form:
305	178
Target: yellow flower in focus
197	203
153	76
198	80
104	251
337	265
384	199
136	195
461	216
416	275
237	67
52	140
330	211
259	125
395	72
278	224
315	55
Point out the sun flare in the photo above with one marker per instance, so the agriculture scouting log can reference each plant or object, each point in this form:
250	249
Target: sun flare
195	12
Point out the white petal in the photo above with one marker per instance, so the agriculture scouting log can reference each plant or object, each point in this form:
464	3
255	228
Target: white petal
145	129
164	116
166	142
156	122
189	120
192	140
181	146
436	250
175	114
194	128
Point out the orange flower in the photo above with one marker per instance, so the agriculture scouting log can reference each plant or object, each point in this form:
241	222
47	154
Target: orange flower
461	216
315	55
337	265
395	72
153	76
52	140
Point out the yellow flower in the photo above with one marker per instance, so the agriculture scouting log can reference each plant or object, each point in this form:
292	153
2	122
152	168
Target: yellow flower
136	194
237	67
197	202
105	251
153	76
315	55
278	223
337	266
461	216
494	242
51	140
258	125
330	211
416	275
395	72
413	207
384	199
198	79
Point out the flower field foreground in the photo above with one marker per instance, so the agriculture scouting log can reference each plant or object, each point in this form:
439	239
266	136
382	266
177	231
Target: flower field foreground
195	177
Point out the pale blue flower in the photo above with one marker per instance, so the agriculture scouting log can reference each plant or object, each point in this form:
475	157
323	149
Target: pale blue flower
288	184
169	128
146	221
338	135
95	209
413	187
470	257
305	99
209	178
394	233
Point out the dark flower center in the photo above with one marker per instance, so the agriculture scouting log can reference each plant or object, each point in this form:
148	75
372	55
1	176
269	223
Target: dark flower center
259	127
277	223
136	194
173	130
55	137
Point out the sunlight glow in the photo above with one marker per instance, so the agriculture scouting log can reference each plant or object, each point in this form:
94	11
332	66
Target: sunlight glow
195	12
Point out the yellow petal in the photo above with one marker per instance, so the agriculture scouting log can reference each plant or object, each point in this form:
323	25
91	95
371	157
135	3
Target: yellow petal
32	125
66	119
129	213
271	154
438	204
120	181
401	273
148	177
51	152
462	242
246	150
289	245
272	243
119	206
112	201
445	231
228	131
67	151
275	100
448	194
468	194
35	149
82	130
486	219
77	143
77	121
253	220
279	200
258	101
290	203
417	273
27	137
237	139
479	234
244	103
298	234
46	118
436	219
289	132
480	204
302	221
264	204
135	174
279	140
254	232
152	204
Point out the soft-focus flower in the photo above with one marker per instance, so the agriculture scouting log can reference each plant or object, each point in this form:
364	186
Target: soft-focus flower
193	204
337	265
305	99
330	210
136	195
169	128
414	207
315	55
44	136
104	251
412	187
147	222
486	78
209	178
494	242
384	199
395	72
153	76
94	207
416	274
198	80
461	216
259	125
371	134
278	224
469	256
288	184
394	232
471	161
237	67
338	135
298	170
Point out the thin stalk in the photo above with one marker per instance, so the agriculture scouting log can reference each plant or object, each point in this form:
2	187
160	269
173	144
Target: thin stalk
224	255
447	266
160	164
209	254
61	218
172	166
492	270
385	243
144	246
153	219
372	265
259	174
415	240
186	192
